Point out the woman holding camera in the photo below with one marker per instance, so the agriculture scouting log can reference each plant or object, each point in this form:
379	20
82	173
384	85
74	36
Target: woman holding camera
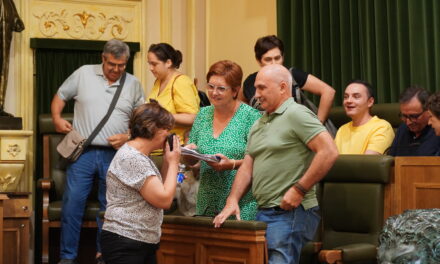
137	192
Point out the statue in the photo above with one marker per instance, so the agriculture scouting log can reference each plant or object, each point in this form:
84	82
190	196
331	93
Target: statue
412	237
9	22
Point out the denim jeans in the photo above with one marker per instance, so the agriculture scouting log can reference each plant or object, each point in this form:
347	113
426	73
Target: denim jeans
117	249
288	231
94	162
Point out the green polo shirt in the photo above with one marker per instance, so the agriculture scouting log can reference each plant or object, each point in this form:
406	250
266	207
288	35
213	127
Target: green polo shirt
278	144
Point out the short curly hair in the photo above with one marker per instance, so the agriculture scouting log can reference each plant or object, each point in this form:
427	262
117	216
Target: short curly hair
146	119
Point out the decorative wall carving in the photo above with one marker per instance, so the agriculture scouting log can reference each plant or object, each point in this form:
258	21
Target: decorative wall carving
83	24
6	181
10	176
13	150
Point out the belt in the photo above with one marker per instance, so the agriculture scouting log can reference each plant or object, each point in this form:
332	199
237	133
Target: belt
275	208
99	147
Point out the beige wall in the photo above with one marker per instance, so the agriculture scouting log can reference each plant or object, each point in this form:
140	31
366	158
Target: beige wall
210	30
182	24
234	26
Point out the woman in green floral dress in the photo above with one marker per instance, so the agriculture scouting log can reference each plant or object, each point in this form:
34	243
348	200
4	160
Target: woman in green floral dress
222	129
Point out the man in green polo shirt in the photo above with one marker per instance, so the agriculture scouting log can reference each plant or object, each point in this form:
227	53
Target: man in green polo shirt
288	152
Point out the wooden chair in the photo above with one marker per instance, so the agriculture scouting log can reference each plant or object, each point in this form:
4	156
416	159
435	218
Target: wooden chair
52	186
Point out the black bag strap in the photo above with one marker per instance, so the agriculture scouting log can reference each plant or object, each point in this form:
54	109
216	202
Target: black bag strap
301	98
109	112
296	90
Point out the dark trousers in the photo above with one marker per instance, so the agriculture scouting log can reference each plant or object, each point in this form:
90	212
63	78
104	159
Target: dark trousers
119	249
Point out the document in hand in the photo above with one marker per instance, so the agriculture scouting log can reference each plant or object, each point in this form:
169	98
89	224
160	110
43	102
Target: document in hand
195	154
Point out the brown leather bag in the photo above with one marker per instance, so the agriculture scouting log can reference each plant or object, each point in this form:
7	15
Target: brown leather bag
71	146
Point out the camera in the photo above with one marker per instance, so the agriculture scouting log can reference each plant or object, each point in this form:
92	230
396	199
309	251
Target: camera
170	140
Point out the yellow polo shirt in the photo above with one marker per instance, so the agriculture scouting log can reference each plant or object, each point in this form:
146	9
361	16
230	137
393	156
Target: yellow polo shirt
179	96
376	135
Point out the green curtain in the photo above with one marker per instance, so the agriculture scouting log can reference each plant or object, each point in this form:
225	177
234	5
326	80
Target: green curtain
390	43
53	67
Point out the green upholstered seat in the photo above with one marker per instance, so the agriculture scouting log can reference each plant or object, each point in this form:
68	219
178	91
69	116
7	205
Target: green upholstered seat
353	204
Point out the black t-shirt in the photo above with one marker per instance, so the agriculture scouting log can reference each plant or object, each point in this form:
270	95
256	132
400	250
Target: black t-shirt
249	88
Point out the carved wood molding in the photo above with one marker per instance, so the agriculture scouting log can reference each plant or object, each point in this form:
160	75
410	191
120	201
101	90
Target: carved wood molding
83	24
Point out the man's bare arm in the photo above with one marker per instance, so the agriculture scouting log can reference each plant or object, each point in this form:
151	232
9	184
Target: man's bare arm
326	155
326	93
242	182
56	107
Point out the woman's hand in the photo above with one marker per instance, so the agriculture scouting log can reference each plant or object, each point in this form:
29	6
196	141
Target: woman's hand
188	160
173	157
191	146
224	164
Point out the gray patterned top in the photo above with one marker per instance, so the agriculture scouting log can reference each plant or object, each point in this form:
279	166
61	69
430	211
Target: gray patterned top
127	213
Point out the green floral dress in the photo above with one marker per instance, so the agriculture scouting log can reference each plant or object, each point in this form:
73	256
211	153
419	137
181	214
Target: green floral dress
215	185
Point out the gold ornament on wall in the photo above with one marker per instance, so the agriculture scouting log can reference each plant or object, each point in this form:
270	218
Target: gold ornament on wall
82	25
6	181
13	150
10	175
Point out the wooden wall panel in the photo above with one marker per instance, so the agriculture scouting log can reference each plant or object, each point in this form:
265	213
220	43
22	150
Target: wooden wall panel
414	185
192	244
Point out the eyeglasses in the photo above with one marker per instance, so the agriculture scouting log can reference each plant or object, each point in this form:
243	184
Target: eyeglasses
412	118
114	65
221	89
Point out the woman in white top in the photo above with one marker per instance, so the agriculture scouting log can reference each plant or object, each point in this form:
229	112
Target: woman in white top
137	192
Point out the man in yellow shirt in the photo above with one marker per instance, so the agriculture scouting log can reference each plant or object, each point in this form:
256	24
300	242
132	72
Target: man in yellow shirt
365	134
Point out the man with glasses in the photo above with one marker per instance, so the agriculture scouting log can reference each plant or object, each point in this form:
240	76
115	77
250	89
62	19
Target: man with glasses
415	137
93	87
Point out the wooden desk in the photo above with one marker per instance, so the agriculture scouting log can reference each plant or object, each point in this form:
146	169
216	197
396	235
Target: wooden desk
194	240
2	198
15	212
415	184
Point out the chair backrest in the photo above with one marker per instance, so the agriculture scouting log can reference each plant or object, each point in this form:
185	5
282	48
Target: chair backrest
389	112
51	158
353	199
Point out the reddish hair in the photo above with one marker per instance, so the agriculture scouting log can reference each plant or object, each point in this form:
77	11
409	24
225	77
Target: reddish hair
229	70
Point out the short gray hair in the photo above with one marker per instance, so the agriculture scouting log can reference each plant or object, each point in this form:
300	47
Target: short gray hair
116	48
